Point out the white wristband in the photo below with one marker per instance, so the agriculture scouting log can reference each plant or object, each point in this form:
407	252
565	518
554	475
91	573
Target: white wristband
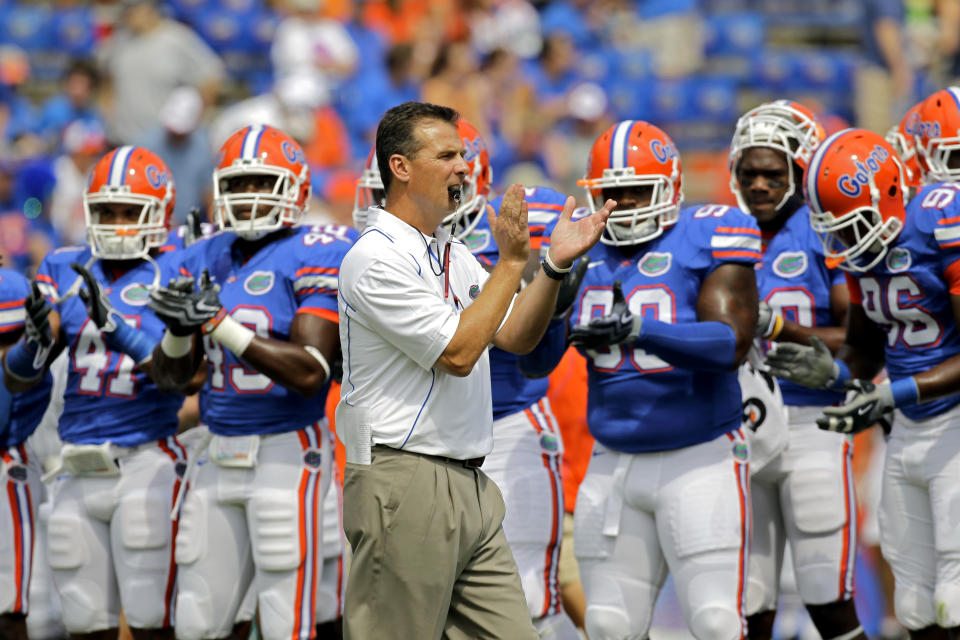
553	266
233	335
312	350
175	346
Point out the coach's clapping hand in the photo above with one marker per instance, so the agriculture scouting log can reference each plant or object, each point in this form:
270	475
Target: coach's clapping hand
509	226
571	239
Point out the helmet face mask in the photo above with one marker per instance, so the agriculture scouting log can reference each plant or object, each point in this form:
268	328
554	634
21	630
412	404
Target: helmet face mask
369	192
476	184
128	178
782	125
857	193
637	155
264	154
936	131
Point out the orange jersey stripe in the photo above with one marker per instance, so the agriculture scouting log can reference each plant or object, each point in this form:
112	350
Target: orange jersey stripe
306	270
739	230
326	314
12	304
736	254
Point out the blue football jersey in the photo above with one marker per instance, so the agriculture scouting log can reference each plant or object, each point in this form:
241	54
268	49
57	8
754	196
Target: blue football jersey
107	397
512	391
637	402
294	274
908	293
20	413
794	279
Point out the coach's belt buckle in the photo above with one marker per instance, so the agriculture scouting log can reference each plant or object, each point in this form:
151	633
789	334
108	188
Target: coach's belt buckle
90	459
236	452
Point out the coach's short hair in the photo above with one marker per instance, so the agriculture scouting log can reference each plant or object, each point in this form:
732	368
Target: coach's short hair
395	133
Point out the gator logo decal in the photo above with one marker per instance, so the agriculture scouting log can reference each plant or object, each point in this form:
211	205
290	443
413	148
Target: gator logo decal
655	264
740	451
258	283
474	291
313	459
135	294
477	240
548	442
899	259
790	264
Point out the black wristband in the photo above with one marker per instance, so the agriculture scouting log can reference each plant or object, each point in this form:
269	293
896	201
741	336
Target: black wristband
552	273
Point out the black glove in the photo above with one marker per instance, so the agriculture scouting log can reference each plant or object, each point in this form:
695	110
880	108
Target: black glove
37	322
619	326
570	287
867	404
183	309
194	227
98	305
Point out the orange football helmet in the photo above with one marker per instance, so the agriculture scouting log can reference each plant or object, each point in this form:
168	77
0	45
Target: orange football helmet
476	186
938	135
902	137
132	176
784	125
856	188
260	150
370	191
635	153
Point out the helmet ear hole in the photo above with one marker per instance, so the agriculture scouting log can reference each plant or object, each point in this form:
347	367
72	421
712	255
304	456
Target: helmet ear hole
892	191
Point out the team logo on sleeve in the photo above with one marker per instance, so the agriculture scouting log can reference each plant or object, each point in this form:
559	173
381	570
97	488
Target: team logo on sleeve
655	264
135	294
474	291
258	283
790	264
898	259
477	240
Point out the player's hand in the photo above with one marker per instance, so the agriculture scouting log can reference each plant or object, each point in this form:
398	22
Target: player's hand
866	405
571	239
194	227
509	225
811	367
98	305
570	287
769	322
619	326
37	324
183	309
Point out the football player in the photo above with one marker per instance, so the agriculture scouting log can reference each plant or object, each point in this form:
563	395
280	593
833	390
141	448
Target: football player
259	299
19	470
527	446
805	496
665	316
904	279
903	138
110	545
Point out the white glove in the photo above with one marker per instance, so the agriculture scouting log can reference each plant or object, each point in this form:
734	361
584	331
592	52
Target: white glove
866	405
769	322
811	367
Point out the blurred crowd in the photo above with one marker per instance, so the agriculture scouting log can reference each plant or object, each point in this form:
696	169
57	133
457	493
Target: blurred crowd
540	80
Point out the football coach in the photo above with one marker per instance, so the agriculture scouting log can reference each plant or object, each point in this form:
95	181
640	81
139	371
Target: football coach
417	315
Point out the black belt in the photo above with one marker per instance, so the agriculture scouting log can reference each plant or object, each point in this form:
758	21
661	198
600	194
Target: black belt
472	463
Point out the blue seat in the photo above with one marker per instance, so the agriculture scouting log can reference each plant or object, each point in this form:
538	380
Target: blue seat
827	70
670	101
734	34
74	31
261	26
714	99
29	27
187	10
773	69
223	30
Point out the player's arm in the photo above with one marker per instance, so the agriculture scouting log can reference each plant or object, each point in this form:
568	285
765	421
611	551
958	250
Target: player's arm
834	336
728	297
944	378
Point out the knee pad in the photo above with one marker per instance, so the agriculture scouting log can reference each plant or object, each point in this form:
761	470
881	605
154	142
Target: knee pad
817	499
946	598
144	520
715	623
84	607
145	602
65	549
190	532
275	530
608	623
276	617
194	619
913	606
760	596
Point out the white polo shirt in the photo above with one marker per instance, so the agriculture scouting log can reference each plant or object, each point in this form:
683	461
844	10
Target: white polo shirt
396	318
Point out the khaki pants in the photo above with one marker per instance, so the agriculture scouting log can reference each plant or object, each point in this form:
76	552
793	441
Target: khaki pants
430	559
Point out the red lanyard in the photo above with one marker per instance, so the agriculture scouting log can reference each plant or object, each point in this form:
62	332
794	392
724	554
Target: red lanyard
446	277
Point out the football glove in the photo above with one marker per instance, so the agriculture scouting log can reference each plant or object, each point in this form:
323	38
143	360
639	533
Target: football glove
570	287
194	229
811	367
183	309
98	305
619	326
866	405
37	323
